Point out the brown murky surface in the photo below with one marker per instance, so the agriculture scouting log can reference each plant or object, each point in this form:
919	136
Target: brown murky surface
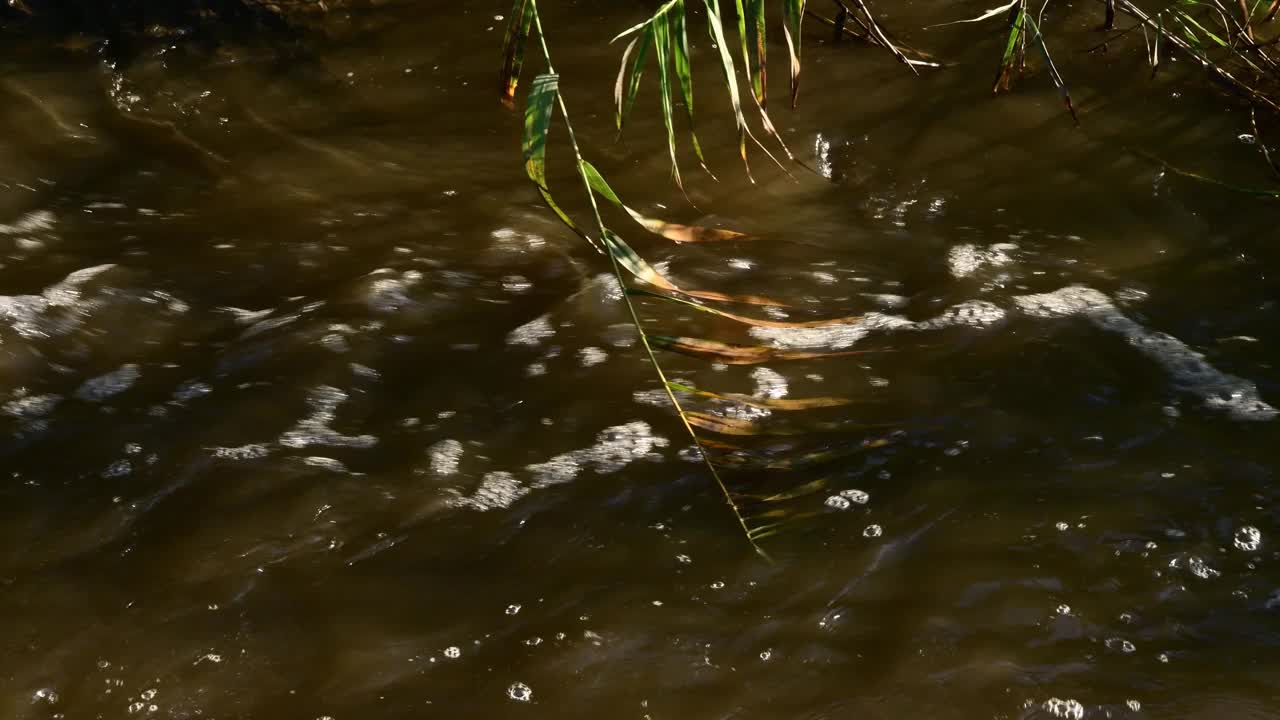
318	413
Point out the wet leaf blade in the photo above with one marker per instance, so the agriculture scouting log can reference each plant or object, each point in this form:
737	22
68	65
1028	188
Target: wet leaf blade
684	73
792	19
537	125
993	12
626	97
1010	48
785	404
671	231
513	45
758	322
732	354
715	26
662	48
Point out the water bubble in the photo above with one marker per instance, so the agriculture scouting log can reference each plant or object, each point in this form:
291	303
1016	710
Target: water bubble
838	503
1133	705
684	559
1200	569
1070	709
534	641
1063	527
1248	538
717	585
520	692
1246	138
766	655
1120	644
148	694
873	531
453	652
884	475
513	608
857	496
1064	609
1163	657
45	695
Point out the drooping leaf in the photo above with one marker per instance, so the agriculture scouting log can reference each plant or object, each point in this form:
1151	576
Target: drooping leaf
784	404
731	354
640	25
517	34
680	48
671	231
628	85
538	112
743	427
756	29
808	488
662	48
759	322
643	271
792	18
984	16
1007	60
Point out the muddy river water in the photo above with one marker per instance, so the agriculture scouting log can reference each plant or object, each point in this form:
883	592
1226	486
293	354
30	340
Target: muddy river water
311	409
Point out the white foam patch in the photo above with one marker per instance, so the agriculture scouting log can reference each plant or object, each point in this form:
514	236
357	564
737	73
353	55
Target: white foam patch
1188	369
965	260
445	456
30	315
975	313
34	221
497	490
31	407
325	463
252	451
589	356
1218	391
769	383
615	448
110	384
532	333
314	429
388	293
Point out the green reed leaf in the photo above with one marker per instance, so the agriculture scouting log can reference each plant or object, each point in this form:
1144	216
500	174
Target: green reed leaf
792	18
680	57
628	84
671	231
662	48
513	45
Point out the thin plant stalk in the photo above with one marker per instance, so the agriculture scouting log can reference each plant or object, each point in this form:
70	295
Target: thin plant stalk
635	317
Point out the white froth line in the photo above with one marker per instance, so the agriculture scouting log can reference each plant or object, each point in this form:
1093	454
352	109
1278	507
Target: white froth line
1189	370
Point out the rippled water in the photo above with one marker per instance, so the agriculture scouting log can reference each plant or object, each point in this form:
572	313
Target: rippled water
319	414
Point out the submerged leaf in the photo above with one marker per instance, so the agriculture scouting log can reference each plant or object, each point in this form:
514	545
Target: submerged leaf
671	231
759	322
785	404
642	270
732	354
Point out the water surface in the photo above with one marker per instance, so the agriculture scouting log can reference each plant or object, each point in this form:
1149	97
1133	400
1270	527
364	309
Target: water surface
312	410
